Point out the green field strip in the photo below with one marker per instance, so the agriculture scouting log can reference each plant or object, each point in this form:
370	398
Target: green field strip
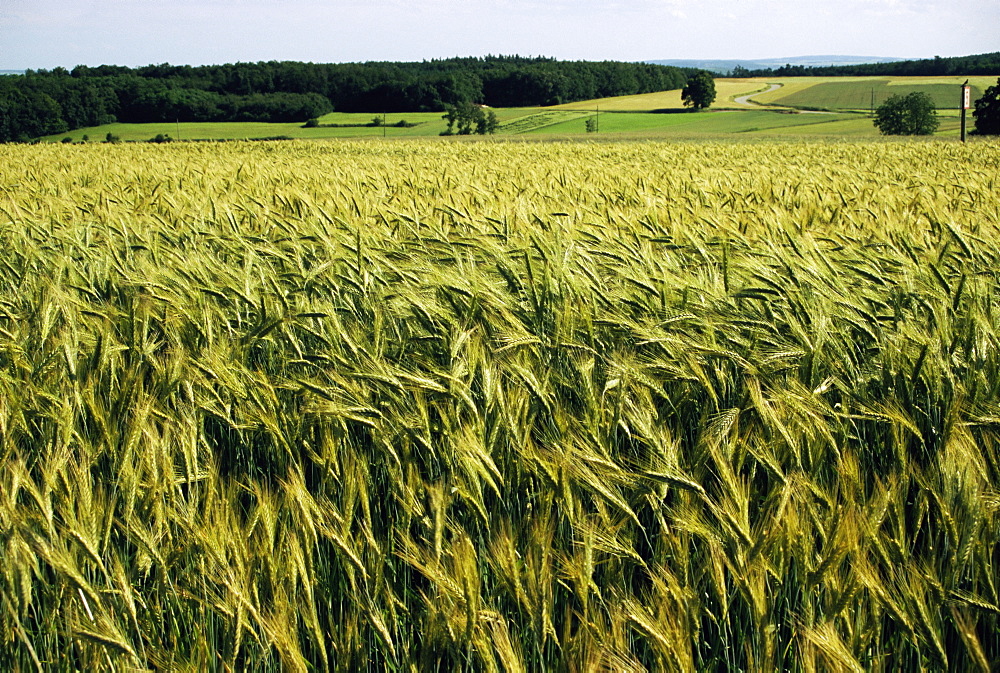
245	131
723	122
862	95
540	120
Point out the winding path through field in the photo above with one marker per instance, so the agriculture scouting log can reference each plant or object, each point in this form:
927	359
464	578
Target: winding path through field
745	100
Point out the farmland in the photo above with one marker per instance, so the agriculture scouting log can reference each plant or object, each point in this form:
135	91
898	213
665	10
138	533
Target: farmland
659	115
419	405
857	93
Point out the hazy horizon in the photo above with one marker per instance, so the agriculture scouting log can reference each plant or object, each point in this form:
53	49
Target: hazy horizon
51	33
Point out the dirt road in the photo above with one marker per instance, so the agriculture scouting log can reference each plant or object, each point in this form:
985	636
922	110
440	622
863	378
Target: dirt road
745	100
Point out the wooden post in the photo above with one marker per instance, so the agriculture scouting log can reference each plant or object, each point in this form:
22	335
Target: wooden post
965	105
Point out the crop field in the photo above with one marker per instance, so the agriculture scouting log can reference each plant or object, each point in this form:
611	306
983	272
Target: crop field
855	93
860	95
425	406
726	91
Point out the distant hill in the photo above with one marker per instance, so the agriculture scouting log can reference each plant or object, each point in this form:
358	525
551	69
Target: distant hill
726	66
11	72
809	66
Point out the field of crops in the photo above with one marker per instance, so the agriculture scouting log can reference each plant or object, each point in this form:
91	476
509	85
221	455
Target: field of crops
423	406
858	93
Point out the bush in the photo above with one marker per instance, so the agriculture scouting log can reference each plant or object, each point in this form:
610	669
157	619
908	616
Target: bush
312	123
911	115
67	139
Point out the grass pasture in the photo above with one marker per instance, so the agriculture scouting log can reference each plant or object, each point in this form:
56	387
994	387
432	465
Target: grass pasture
428	123
696	124
435	406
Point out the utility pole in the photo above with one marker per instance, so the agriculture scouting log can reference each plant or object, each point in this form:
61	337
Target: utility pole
966	95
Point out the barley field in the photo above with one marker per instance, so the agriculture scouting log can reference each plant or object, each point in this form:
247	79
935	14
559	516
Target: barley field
425	406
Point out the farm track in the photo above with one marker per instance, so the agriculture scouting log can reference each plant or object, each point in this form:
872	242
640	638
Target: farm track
747	99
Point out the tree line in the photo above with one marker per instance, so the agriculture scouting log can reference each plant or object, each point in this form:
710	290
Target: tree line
43	102
977	64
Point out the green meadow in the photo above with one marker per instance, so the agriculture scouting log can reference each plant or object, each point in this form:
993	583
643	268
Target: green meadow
348	125
712	122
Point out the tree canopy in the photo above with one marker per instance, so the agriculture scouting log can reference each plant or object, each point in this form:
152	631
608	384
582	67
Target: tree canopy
700	90
911	115
987	112
44	102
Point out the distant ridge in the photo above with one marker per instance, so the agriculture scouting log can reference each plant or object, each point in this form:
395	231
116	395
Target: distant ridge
726	66
11	72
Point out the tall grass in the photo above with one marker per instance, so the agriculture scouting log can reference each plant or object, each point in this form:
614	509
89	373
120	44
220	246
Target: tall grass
499	407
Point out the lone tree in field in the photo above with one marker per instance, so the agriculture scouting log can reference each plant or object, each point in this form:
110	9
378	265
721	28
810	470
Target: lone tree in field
911	115
987	112
700	90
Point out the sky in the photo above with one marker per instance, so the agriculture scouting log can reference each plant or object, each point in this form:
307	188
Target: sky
49	33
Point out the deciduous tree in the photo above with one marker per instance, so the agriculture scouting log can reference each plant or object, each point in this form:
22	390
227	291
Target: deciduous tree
911	115
987	112
486	122
700	90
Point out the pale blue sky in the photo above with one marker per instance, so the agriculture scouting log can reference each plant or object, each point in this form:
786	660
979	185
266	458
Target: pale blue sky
49	33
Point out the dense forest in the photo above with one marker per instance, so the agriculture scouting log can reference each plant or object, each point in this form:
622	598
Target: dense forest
978	64
43	102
